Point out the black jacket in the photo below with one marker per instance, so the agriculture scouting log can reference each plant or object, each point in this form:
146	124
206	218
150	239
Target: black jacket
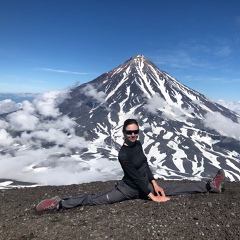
137	173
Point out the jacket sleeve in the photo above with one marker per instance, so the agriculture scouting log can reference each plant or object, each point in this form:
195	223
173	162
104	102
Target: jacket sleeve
150	175
149	172
133	174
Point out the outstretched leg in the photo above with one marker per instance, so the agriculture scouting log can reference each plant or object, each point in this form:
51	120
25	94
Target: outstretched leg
179	187
119	193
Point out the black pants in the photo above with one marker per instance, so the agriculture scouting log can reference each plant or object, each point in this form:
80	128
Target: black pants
123	192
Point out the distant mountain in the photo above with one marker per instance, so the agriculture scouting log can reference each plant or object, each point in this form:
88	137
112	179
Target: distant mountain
18	97
174	120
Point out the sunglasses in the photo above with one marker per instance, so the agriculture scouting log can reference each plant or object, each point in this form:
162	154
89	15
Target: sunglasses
130	132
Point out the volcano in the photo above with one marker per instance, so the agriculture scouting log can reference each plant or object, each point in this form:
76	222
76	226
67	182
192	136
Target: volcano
174	120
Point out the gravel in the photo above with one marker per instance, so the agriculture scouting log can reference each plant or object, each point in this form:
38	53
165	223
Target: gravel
196	216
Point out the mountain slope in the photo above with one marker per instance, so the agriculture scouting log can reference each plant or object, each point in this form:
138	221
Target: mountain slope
173	121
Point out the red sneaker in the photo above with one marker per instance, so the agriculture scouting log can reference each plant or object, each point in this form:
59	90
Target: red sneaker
216	183
46	204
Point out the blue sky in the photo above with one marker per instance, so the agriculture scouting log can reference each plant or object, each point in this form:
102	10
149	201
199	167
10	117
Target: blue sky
47	45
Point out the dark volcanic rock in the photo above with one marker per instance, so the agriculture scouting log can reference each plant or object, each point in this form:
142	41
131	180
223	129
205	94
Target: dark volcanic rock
197	216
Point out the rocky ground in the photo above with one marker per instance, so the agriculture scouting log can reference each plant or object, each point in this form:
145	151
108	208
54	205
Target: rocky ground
197	216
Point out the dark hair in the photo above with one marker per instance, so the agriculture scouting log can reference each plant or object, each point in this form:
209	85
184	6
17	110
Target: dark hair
129	122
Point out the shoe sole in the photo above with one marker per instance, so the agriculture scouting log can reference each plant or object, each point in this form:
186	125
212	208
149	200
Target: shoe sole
222	182
38	206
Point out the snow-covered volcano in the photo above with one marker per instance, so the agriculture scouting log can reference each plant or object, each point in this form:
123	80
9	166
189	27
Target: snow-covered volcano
73	136
184	134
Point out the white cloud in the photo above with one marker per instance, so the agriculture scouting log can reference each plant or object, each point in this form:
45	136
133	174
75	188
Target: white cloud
46	103
179	59
4	124
193	54
90	91
62	71
48	138
54	170
51	135
223	51
234	106
223	125
62	123
8	105
22	121
5	138
155	103
28	107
